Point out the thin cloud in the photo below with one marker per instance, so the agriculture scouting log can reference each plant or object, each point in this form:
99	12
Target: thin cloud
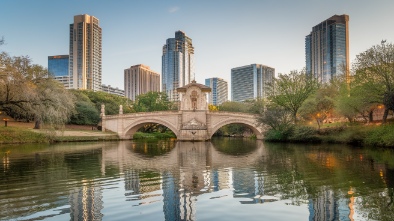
173	9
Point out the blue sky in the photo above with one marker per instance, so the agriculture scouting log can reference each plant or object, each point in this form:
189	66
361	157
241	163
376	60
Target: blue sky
225	33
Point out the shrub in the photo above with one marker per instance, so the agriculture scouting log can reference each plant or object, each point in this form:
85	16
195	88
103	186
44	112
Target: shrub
304	134
276	135
380	136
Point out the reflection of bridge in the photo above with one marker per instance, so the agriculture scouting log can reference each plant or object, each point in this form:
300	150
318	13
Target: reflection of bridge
192	122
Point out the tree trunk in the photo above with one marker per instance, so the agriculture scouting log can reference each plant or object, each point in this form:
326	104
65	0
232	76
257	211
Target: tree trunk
370	116
386	113
37	123
295	117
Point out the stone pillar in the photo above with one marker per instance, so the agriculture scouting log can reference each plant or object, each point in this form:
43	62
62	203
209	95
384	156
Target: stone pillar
102	115
120	109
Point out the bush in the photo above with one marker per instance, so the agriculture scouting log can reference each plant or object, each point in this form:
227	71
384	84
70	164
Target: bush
304	134
276	135
380	136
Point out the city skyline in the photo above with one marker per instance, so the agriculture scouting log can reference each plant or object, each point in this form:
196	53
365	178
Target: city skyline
221	31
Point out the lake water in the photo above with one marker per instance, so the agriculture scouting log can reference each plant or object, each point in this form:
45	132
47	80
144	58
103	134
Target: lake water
226	179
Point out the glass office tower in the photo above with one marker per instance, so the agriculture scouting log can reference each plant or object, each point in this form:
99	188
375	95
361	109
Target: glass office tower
58	65
177	64
58	69
327	49
250	82
219	92
85	53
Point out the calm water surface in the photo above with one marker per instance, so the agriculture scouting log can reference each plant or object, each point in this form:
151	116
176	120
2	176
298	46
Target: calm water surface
226	179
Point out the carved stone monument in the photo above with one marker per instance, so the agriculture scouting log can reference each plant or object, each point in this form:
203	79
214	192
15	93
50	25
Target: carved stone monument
194	109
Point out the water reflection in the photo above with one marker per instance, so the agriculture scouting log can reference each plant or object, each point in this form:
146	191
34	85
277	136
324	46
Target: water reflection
169	180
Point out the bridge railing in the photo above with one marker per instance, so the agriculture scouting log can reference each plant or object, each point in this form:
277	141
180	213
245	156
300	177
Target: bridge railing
231	113
140	114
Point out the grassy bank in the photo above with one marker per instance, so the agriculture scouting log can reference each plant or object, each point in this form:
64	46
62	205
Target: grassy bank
15	135
21	135
356	134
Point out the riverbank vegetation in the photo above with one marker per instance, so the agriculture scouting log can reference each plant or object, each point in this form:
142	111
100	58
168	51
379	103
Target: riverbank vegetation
354	108
21	135
305	111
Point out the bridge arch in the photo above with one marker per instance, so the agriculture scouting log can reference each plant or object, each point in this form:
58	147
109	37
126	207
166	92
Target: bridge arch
130	129
248	123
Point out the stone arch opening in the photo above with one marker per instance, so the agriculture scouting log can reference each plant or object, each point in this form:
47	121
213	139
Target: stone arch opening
131	129
256	131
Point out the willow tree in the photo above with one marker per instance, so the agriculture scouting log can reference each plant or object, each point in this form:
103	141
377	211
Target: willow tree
374	70
27	91
289	91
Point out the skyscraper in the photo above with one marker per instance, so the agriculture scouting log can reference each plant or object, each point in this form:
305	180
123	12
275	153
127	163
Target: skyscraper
327	49
250	81
177	64
219	92
85	53
58	69
140	79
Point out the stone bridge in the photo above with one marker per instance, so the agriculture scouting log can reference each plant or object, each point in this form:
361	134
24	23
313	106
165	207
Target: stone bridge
192	122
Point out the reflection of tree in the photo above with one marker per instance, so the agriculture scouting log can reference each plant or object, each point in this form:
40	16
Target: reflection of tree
41	180
297	172
152	148
234	146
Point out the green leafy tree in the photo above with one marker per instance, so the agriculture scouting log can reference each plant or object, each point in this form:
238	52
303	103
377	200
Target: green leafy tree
152	101
290	91
85	112
27	91
234	106
374	70
111	101
319	105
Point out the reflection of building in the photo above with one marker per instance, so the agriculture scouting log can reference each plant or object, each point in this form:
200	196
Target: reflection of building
250	81
327	206
140	79
86	202
142	182
327	48
58	69
85	53
219	92
177	64
171	198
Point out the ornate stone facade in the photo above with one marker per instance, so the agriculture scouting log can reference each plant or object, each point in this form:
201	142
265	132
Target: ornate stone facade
193	121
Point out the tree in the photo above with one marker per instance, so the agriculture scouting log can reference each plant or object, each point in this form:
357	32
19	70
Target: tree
374	70
85	112
111	101
152	101
290	91
276	117
212	108
319	105
27	91
233	106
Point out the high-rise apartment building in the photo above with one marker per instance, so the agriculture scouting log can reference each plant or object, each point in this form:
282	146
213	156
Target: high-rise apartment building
327	49
112	90
177	64
85	53
250	81
140	79
219	92
58	69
